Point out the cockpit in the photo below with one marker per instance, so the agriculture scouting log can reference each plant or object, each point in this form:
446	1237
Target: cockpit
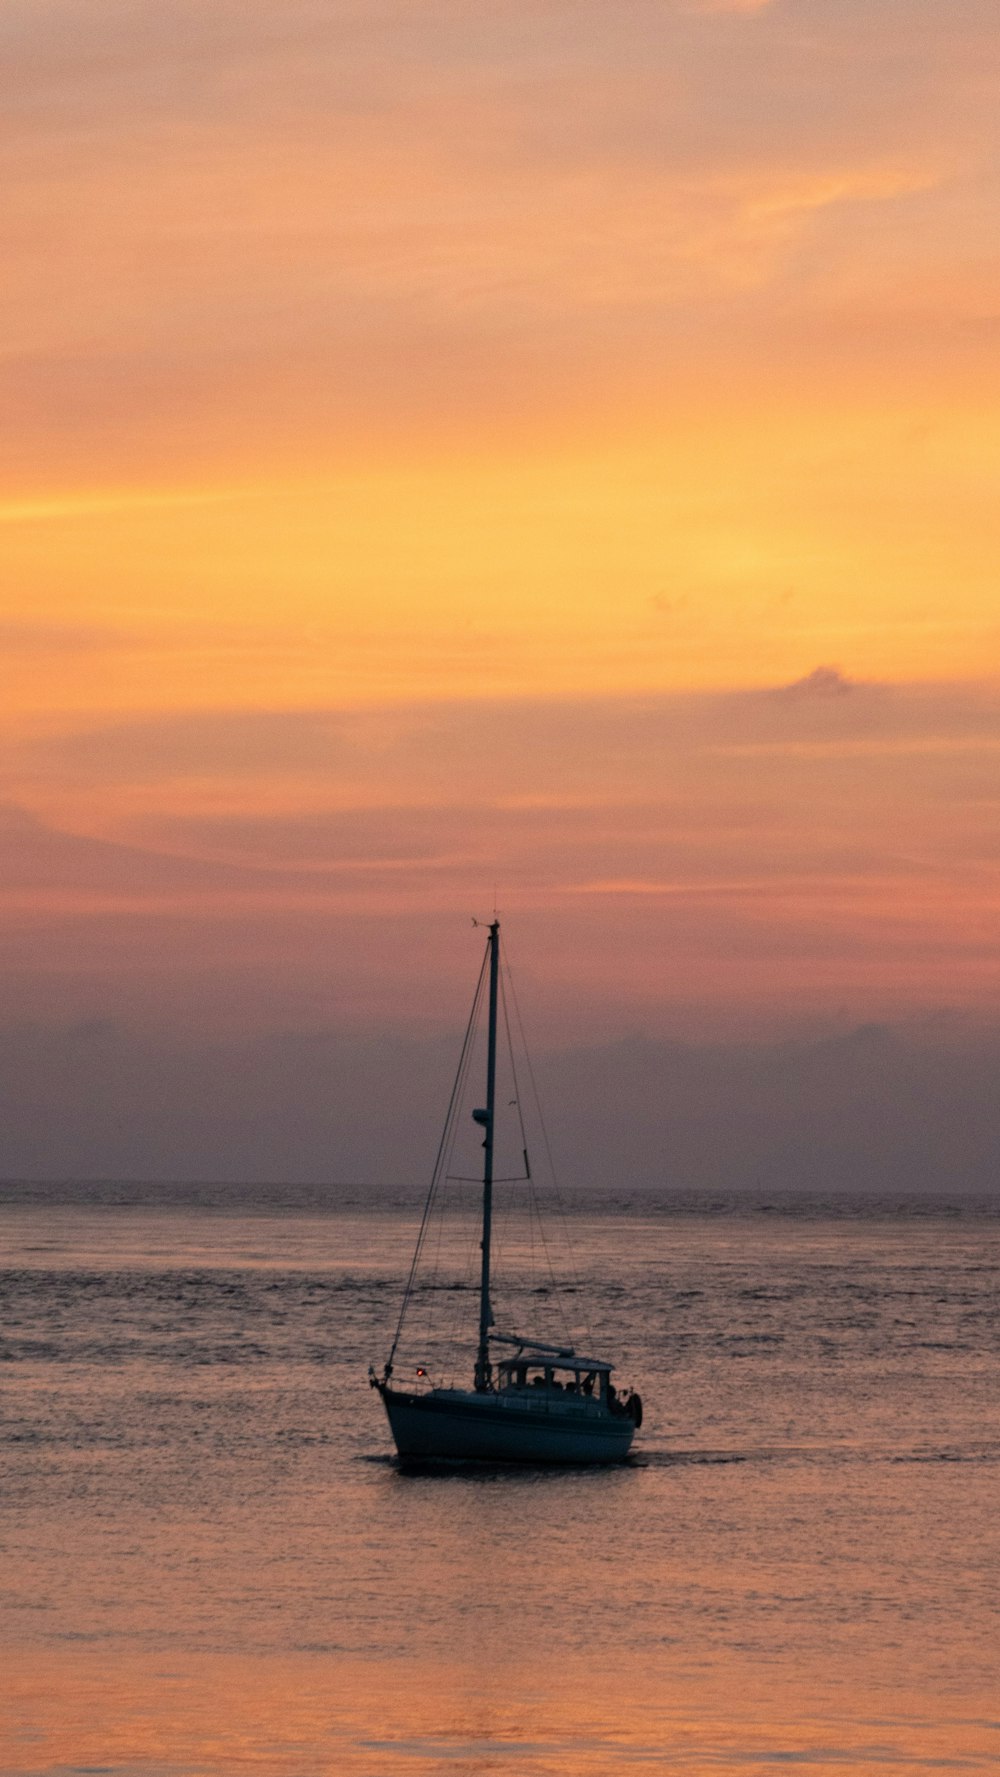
556	1373
590	1383
583	1382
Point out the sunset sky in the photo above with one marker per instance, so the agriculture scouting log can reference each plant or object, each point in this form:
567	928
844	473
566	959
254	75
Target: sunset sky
540	451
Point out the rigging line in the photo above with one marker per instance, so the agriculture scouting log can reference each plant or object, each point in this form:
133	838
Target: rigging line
560	1312
560	1206
446	1328
427	1308
461	1178
430	1317
470	1228
505	973
459	1307
434	1303
469	1029
532	1267
444	1177
520	1114
503	1224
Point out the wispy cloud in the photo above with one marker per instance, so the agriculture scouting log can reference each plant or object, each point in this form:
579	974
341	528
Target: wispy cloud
100	504
747	7
548	363
823	681
18	638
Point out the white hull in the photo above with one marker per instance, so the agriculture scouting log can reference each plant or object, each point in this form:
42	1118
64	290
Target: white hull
459	1425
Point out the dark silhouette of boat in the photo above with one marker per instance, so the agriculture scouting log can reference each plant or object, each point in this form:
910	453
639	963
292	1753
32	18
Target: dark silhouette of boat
528	1401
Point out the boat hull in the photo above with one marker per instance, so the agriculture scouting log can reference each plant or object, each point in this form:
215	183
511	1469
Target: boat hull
458	1425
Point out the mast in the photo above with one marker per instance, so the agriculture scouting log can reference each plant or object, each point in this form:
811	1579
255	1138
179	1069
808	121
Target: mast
483	1366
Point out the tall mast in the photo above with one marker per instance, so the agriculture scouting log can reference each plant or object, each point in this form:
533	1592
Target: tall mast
483	1367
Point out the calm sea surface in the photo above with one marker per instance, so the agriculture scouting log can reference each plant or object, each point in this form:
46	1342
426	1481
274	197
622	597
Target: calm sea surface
208	1563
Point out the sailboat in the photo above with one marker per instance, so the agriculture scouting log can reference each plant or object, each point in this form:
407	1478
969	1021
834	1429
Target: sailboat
528	1401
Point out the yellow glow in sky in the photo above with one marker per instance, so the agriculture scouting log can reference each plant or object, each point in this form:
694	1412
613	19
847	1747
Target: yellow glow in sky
471	359
718	550
566	394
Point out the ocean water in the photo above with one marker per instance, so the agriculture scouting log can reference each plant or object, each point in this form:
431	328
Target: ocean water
209	1563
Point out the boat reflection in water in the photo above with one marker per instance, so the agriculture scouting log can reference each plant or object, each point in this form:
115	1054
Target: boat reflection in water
541	1403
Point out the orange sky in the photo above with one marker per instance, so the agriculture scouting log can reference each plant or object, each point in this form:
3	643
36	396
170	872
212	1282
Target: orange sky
434	436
